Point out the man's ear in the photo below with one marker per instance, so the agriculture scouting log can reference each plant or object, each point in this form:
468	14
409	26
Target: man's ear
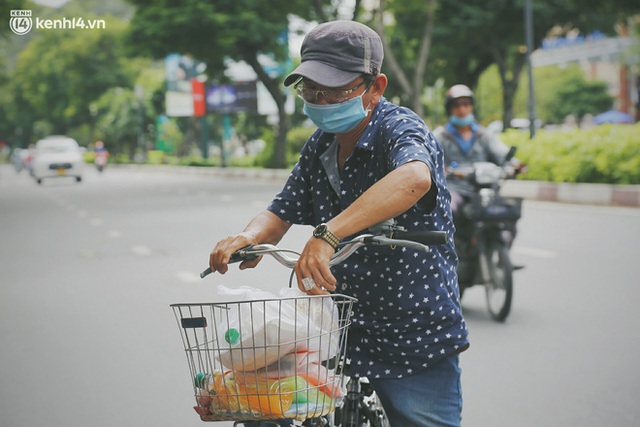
378	87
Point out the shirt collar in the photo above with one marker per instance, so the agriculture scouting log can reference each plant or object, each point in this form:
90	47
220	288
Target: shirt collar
367	139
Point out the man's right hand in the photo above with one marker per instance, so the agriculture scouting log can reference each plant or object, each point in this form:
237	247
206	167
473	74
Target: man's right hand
221	254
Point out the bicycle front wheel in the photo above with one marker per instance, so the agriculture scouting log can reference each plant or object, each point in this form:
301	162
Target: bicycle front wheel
499	287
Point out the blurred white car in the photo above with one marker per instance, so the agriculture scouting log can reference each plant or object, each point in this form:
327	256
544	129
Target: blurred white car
57	156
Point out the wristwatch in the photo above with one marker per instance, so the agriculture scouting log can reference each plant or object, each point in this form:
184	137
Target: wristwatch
322	232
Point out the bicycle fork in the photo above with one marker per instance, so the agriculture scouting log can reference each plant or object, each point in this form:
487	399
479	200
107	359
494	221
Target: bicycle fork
360	407
350	416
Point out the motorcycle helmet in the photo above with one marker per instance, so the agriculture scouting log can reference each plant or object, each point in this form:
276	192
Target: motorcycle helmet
455	92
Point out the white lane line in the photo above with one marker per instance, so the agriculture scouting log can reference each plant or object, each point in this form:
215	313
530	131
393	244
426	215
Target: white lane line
114	234
141	250
187	276
89	253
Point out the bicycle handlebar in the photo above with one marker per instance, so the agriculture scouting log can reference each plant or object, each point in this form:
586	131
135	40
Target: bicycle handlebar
413	240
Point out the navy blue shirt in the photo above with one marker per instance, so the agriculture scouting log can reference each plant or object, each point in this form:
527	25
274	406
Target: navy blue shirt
408	315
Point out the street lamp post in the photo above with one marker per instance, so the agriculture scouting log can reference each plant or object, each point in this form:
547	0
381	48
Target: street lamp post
528	18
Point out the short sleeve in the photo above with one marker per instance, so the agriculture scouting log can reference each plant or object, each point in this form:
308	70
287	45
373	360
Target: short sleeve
293	204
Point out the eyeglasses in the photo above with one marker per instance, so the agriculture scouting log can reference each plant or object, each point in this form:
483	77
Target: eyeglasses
332	96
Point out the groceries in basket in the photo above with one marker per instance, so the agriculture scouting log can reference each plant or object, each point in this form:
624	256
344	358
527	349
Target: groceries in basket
306	365
302	392
263	327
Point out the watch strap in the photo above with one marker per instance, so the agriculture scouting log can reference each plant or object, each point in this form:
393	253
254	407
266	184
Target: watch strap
328	237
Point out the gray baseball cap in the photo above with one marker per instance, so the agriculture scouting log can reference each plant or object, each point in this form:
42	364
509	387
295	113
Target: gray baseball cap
336	53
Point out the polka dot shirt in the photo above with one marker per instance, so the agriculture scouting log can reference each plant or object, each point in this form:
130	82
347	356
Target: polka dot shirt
408	315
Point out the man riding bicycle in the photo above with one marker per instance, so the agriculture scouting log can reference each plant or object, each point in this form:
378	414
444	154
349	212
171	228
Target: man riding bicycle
369	161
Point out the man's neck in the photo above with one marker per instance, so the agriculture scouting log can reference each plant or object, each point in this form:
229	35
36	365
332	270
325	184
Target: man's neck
465	131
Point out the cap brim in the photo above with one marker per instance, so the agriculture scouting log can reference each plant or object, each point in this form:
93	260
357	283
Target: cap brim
322	74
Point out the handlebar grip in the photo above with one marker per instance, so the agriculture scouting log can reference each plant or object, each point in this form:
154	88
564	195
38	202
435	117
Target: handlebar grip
237	256
241	255
424	237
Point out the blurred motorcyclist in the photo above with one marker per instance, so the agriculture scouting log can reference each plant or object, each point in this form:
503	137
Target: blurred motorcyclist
465	142
101	155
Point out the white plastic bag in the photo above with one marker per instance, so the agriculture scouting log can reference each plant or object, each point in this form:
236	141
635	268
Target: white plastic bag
259	327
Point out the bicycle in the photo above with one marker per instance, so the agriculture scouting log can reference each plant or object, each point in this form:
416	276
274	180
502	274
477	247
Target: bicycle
262	361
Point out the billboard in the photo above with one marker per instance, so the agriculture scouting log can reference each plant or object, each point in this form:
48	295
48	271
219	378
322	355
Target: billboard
233	98
185	86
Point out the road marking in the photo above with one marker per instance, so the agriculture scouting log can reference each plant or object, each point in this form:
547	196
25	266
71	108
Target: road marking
534	252
187	276
89	253
141	250
114	234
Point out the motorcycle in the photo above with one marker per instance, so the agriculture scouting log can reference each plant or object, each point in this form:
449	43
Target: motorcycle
101	161
485	231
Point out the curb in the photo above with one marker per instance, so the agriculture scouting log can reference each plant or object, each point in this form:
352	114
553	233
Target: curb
585	194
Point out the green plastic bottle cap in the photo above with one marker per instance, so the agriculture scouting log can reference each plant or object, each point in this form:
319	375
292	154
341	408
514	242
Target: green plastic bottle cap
200	379
232	336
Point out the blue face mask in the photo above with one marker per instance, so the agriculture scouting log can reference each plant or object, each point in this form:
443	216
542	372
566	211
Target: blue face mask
464	121
336	118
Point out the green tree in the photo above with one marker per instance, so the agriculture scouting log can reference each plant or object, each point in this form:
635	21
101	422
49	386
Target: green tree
407	46
241	30
579	97
558	93
473	34
119	120
61	72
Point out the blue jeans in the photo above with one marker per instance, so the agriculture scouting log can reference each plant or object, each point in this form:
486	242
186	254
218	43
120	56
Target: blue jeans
431	398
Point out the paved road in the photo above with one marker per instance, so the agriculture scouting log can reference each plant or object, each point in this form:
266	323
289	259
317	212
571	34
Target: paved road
87	273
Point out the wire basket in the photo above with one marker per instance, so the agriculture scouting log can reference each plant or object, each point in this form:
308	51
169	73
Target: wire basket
266	359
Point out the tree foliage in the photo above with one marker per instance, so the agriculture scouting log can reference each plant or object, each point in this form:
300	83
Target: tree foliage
473	34
407	44
559	92
241	30
120	116
61	72
580	97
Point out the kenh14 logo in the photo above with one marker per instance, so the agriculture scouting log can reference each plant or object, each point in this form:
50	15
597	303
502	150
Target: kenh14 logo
20	22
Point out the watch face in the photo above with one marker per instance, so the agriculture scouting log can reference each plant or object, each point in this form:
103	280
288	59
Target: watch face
320	230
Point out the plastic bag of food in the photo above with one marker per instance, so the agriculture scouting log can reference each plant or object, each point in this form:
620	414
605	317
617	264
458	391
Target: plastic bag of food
258	327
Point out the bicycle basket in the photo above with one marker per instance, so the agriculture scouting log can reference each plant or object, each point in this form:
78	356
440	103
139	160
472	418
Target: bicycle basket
265	359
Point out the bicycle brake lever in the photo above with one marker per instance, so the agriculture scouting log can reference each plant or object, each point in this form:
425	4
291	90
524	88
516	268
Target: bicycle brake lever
384	241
